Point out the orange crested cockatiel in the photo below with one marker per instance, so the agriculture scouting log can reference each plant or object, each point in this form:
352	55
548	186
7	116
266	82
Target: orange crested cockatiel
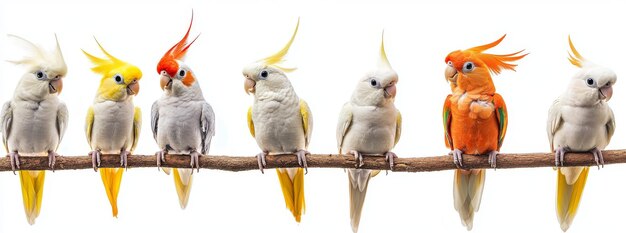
182	122
474	119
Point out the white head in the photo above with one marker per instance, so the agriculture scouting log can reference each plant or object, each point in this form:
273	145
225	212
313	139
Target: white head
45	70
377	88
592	84
266	74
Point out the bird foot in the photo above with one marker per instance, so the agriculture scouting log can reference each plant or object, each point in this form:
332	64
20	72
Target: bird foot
597	156
358	157
261	160
492	158
389	157
52	159
95	159
457	155
301	154
160	156
15	160
124	158
559	155
195	160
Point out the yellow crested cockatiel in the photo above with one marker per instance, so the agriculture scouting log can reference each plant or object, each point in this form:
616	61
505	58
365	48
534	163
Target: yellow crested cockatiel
113	122
369	124
280	122
580	120
182	121
34	121
474	119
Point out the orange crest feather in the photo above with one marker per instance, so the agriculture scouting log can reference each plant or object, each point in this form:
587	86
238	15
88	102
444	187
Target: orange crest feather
494	62
177	52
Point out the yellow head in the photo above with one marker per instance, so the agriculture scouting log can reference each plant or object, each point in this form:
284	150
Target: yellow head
119	79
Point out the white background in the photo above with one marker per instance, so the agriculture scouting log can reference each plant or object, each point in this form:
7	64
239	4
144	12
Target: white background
336	45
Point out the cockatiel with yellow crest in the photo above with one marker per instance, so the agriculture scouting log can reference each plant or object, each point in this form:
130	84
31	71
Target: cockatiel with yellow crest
474	119
580	120
280	122
34	121
369	124
113	122
182	121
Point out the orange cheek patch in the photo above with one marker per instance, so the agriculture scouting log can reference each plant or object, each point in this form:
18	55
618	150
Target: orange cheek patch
188	79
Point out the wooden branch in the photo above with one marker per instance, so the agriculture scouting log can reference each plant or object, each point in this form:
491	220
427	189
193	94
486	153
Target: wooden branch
240	163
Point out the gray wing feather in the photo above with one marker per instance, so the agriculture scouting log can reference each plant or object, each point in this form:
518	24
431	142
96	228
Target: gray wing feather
154	119
5	123
62	120
610	125
345	120
207	122
554	121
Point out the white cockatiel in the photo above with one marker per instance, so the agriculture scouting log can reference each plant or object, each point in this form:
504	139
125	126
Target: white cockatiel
182	121
34	121
369	124
580	120
280	122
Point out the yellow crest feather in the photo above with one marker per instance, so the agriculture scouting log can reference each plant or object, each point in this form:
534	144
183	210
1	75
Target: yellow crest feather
576	59
384	62
278	56
103	66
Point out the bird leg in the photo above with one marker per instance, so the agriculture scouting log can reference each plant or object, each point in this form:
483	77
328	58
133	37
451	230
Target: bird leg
457	156
52	159
597	156
195	160
15	160
160	156
124	158
389	157
301	154
358	157
95	159
559	155
261	160
492	158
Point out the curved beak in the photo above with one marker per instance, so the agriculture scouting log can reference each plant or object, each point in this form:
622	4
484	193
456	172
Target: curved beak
606	92
451	74
390	90
166	81
56	86
249	85
133	88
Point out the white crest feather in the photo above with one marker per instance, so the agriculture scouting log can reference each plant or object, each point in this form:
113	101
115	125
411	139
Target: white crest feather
383	62
38	58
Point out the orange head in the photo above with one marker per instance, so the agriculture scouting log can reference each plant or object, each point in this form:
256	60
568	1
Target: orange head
171	66
470	69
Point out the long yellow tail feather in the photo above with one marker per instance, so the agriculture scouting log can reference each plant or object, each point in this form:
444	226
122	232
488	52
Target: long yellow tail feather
32	193
568	196
112	178
183	180
293	190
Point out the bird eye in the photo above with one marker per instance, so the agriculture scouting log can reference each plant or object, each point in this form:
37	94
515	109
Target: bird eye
41	75
590	82
264	74
373	82
450	63
181	73
468	67
118	79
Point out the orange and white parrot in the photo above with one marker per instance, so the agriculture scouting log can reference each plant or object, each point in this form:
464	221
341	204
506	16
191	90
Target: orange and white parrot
33	122
580	120
280	122
113	123
474	119
182	121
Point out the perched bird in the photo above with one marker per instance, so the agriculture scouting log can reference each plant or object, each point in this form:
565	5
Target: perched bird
113	122
369	124
182	121
580	120
280	122
474	119
34	121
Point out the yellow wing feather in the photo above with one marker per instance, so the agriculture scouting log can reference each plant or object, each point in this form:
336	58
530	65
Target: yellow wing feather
398	128
307	121
89	124
136	128
250	122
